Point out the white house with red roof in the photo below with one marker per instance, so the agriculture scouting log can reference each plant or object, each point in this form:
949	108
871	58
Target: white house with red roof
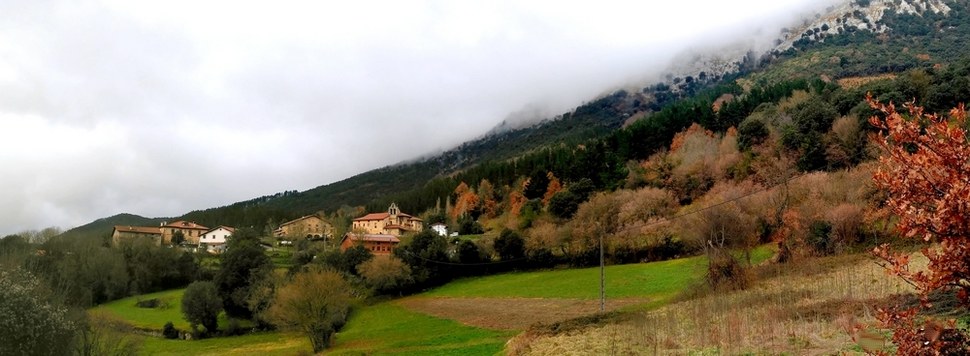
214	240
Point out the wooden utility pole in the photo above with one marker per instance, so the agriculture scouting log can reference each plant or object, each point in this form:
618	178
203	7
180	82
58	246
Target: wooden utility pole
602	273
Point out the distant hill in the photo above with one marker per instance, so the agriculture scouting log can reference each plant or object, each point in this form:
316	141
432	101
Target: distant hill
103	226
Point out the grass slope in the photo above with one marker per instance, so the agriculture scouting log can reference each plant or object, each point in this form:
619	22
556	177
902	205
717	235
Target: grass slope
387	328
265	343
390	328
149	318
155	318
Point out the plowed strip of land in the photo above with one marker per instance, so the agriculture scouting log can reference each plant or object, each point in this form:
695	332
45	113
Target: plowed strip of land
511	313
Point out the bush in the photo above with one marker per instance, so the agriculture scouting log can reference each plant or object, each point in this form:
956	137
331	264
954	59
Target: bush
751	133
315	302
820	237
148	303
31	323
201	305
510	245
564	204
242	266
385	274
169	331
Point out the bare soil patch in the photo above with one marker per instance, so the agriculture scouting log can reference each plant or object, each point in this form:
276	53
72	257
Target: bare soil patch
511	313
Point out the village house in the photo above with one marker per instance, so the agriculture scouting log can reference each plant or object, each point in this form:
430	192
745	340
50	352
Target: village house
378	232
377	244
391	222
440	228
214	241
191	231
131	233
310	226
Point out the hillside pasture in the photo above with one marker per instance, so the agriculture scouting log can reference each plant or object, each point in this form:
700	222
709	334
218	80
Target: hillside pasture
388	328
800	309
263	343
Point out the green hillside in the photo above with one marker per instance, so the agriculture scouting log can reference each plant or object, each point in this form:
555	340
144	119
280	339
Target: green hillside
103	226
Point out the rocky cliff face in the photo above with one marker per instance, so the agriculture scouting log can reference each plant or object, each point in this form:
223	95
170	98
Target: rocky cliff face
855	15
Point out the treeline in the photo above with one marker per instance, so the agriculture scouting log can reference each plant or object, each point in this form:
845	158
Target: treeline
84	271
603	160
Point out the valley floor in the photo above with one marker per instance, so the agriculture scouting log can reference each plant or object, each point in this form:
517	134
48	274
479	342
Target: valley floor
802	308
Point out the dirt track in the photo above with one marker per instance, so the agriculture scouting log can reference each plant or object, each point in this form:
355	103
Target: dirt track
510	313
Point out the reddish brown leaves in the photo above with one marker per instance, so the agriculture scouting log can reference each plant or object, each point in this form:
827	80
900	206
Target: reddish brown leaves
925	171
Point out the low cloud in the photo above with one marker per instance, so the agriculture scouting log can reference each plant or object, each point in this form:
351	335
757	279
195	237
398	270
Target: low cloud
161	108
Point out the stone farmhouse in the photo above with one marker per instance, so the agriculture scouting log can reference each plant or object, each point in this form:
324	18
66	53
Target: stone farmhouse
192	232
392	222
379	232
310	226
128	233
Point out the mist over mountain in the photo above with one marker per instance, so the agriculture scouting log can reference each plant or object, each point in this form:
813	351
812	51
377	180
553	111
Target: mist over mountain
723	56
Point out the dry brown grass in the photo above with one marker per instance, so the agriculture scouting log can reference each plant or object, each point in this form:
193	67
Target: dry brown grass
793	309
855	82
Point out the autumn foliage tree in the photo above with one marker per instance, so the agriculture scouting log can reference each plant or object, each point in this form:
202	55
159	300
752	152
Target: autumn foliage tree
925	171
465	201
554	187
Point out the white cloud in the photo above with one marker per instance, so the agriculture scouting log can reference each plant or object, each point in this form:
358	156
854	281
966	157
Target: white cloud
161	107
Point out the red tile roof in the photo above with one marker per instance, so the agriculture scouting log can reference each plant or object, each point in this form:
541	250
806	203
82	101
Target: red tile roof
373	216
382	216
181	224
231	230
139	229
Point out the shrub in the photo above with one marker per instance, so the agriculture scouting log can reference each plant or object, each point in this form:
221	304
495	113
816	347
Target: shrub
315	302
31	323
242	266
385	274
148	303
169	331
750	133
201	305
510	245
820	237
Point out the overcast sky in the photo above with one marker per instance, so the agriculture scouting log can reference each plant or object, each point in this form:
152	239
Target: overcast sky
159	108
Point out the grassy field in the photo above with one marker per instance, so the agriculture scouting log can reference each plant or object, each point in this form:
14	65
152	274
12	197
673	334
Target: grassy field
149	318
388	328
660	280
155	318
266	343
795	309
407	326
657	280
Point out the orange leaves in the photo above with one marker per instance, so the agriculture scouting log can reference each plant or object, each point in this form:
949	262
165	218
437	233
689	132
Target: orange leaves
924	171
554	187
465	200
